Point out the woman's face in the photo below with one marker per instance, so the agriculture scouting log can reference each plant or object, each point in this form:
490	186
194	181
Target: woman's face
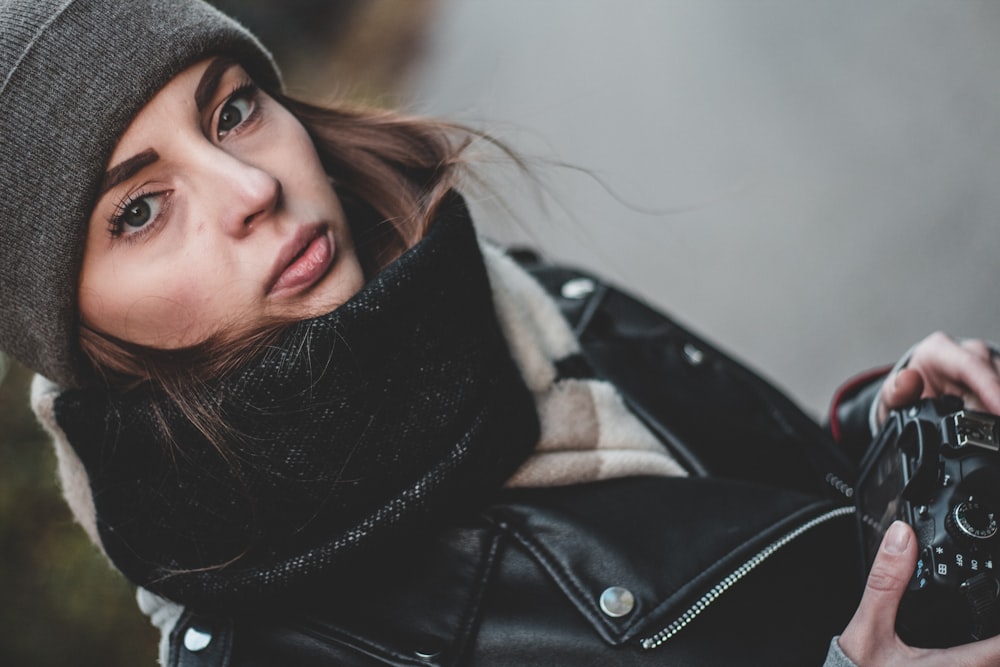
215	214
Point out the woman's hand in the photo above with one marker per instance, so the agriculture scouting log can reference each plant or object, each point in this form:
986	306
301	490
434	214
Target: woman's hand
870	638
941	365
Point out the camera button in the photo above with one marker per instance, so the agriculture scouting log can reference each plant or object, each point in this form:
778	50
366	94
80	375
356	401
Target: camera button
944	567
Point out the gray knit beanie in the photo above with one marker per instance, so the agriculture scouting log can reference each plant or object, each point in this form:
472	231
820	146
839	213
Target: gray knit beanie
73	74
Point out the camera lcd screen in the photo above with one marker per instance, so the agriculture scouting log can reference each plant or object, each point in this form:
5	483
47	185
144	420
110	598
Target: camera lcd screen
879	494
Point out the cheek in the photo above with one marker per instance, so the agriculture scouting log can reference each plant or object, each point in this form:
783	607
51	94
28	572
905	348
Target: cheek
295	154
180	309
161	308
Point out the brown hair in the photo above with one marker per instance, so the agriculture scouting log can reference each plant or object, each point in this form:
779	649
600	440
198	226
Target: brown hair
391	172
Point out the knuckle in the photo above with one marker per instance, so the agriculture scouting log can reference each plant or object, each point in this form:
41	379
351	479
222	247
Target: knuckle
977	347
884	578
939	338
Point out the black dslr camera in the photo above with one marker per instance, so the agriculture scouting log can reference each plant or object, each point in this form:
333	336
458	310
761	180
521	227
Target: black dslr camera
937	467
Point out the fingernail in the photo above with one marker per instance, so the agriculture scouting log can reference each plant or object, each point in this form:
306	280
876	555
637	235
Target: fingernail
896	538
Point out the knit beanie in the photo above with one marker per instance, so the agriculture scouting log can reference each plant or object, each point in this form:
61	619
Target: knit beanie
73	74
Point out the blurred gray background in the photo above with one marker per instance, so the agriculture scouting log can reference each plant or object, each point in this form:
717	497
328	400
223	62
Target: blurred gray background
827	172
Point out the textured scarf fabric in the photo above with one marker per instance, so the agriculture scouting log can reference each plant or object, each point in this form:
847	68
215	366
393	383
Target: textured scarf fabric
390	413
402	404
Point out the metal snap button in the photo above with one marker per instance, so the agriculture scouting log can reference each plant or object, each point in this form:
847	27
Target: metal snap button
578	288
428	656
693	355
617	601
197	640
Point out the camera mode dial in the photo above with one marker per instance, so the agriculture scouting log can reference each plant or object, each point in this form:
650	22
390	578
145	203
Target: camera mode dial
970	519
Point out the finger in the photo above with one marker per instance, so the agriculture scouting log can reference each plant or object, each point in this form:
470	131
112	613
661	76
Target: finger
985	383
965	368
940	359
872	630
977	347
901	389
889	575
982	381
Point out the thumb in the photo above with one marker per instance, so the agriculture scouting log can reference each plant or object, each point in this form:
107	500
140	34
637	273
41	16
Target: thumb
873	628
889	575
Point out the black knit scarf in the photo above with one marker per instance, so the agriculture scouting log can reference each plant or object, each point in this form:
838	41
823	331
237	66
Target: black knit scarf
396	408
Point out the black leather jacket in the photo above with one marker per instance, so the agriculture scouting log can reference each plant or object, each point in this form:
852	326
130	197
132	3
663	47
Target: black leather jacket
752	560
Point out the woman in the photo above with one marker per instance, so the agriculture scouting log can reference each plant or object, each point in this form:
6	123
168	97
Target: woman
316	421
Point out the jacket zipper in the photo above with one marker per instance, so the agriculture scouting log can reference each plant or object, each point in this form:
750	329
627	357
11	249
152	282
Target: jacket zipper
743	570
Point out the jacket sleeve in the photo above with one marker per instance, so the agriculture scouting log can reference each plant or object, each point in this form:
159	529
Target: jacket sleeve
836	657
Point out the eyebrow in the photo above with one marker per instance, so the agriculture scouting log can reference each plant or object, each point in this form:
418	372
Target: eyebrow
210	79
203	94
126	169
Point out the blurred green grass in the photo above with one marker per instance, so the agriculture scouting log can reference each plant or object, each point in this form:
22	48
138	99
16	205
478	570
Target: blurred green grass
63	604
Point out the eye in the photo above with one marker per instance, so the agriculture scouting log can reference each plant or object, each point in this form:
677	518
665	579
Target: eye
135	214
236	110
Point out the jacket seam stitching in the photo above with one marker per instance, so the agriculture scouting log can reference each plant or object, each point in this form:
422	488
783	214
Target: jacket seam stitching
565	580
483	576
360	644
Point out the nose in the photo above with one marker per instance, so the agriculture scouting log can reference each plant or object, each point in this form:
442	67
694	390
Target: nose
245	194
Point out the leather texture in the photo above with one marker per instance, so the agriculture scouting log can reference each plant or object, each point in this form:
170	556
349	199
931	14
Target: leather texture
719	417
519	582
851	412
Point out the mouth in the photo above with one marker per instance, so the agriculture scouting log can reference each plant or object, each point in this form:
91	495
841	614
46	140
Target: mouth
302	261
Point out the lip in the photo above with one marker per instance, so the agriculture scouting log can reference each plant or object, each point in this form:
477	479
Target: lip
303	260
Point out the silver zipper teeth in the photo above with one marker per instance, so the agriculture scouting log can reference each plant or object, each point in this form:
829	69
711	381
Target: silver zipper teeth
743	570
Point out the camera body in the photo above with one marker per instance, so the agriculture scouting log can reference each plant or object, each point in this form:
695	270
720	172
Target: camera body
936	466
